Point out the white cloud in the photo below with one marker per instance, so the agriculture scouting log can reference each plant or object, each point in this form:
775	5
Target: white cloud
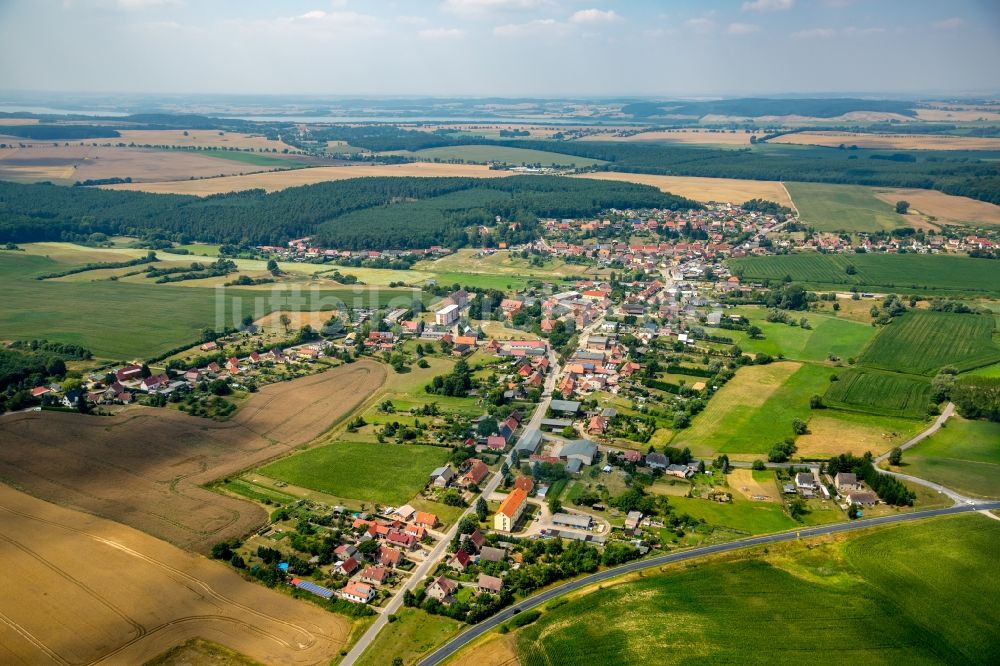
440	33
412	20
767	5
474	7
591	16
742	28
147	4
949	24
701	24
814	33
529	29
827	33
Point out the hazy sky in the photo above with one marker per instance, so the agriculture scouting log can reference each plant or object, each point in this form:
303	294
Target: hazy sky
501	47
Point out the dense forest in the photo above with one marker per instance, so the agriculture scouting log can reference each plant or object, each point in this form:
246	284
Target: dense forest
411	212
963	173
59	132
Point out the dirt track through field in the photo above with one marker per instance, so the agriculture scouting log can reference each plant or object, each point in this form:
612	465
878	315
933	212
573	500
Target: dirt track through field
79	589
145	467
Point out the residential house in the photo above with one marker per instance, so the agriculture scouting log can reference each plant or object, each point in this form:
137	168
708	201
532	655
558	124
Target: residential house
374	575
862	498
598	425
401	540
496	442
805	480
442	589
442	477
633	519
424	519
657	461
389	557
473	543
846	481
525	483
476	473
347	567
460	561
447	315
680	471
491	554
359	593
489	584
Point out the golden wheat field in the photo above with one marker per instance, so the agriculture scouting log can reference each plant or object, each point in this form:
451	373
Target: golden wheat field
280	180
890	141
729	190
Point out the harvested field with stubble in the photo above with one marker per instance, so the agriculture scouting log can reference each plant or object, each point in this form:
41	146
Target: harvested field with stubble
729	190
280	180
945	208
66	164
685	136
145	467
82	589
890	141
203	139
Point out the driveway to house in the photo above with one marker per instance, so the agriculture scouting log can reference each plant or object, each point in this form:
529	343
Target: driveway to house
916	439
478	630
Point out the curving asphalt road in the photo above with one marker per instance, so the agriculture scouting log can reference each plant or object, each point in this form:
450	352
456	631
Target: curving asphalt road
474	632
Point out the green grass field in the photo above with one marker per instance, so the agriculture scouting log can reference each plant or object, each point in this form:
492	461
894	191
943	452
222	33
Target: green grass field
964	455
876	392
987	371
829	335
256	159
907	273
737	421
123	320
921	342
741	515
843	207
387	473
412	635
503	154
919	593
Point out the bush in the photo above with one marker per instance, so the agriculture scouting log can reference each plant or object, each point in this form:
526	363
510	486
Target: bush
758	465
524	619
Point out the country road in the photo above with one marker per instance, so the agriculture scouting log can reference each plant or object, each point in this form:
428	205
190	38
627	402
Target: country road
475	631
431	561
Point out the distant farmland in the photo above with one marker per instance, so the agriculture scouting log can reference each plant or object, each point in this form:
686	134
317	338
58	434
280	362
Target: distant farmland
503	154
908	273
921	342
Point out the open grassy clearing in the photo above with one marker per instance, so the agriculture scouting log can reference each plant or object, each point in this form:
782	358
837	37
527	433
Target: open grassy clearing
755	410
925	586
864	390
909	273
987	371
389	473
123	320
943	208
730	190
502	154
409	637
964	455
467	260
827	336
740	515
279	180
832	432
843	208
921	342
890	141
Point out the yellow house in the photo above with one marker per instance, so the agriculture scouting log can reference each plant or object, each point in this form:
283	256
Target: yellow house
510	510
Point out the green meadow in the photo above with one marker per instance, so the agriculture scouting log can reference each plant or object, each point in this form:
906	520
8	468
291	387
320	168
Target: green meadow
389	473
920	593
826	336
843	208
503	154
964	455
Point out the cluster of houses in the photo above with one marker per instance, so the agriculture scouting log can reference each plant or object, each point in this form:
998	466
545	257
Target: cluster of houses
472	550
847	484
